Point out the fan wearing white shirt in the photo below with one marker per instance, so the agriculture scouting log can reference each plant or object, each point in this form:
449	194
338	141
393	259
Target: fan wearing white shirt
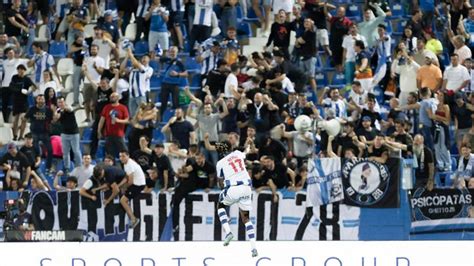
105	45
95	67
455	76
9	69
136	183
46	83
231	82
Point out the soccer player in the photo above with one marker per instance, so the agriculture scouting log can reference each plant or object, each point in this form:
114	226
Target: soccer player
237	189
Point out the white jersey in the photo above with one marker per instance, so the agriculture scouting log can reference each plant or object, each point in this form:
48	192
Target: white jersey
133	168
232	169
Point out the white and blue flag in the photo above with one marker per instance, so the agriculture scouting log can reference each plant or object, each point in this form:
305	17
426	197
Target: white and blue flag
324	181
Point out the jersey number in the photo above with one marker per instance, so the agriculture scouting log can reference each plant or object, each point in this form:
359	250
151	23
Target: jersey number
236	165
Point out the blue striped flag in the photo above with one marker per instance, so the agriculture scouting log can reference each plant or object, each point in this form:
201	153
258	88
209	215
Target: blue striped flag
324	181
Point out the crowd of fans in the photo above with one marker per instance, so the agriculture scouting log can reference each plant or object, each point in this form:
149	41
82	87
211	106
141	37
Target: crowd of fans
407	90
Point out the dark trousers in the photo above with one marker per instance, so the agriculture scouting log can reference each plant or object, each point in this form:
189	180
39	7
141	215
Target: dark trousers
166	89
181	191
6	100
94	140
199	33
142	27
46	140
114	144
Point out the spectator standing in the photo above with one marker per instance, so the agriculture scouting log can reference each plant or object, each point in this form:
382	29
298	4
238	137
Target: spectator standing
421	53
15	23
462	113
143	26
78	50
424	172
104	91
201	30
442	118
41	61
416	24
70	137
10	64
207	124
429	76
407	69
181	130
19	85
158	36
368	27
95	68
112	123
104	44
176	18
282	176
280	34
349	52
363	72
40	117
307	45
172	78
318	12
455	78
339	27
139	81
74	22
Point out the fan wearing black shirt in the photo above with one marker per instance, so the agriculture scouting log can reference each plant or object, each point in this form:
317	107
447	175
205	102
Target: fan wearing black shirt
278	173
103	98
70	137
261	182
345	140
163	166
19	86
187	176
366	133
34	157
307	45
377	151
15	23
143	156
401	139
40	117
16	161
280	34
205	172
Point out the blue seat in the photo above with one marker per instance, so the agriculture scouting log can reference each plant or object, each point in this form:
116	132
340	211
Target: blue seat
244	30
192	65
389	29
167	115
158	136
196	80
397	11
58	49
141	48
338	80
321	79
445	59
354	12
240	13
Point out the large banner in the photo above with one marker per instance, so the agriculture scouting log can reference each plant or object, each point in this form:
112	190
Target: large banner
441	210
324	181
288	219
371	184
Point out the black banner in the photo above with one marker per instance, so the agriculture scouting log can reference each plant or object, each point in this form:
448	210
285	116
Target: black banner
371	184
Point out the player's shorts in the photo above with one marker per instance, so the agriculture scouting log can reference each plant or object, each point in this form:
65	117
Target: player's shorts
237	194
133	191
322	37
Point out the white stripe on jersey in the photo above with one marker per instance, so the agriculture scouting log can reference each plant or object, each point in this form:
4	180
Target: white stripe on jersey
209	62
177	5
203	13
140	81
143	6
43	62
